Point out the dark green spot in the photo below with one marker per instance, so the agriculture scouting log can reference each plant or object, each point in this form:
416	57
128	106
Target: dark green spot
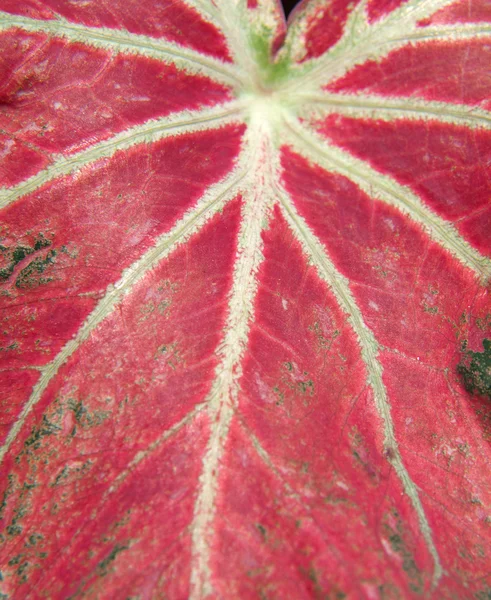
103	565
475	369
41	242
262	530
34	539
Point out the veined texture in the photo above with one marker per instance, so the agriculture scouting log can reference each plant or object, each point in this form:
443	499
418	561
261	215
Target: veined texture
246	328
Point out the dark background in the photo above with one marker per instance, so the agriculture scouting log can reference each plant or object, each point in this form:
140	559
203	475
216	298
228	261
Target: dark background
288	6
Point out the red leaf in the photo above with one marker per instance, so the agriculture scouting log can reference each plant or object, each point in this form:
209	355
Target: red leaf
245	299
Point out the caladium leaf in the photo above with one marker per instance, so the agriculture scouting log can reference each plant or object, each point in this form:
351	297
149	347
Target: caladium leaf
245	314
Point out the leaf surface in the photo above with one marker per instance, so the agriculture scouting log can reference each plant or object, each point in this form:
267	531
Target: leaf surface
245	299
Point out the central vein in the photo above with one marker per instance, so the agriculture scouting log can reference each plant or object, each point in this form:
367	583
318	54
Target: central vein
223	398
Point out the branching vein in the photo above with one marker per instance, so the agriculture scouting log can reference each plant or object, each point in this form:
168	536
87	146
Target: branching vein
151	131
369	351
390	109
374	184
212	201
364	41
224	393
119	40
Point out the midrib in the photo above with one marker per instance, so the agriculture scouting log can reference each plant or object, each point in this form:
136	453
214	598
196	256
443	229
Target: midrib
223	396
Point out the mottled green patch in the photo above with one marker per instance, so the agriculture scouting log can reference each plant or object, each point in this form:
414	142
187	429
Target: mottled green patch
32	276
20	253
388	591
38	432
484	594
122	522
15	255
271	72
382	272
15	560
8	491
312	573
103	566
433	310
306	387
280	396
72	252
22	507
355	437
41	242
334	593
20	565
67	474
9	348
85	418
13	530
167	289
399	546
463	449
293	383
484	323
60	477
475	369
171	353
334	499
323	341
78	409
163	305
34	539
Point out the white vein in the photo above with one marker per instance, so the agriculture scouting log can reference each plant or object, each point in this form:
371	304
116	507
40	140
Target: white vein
363	41
141	455
151	131
209	204
369	351
229	17
389	109
224	394
122	41
450	33
383	187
